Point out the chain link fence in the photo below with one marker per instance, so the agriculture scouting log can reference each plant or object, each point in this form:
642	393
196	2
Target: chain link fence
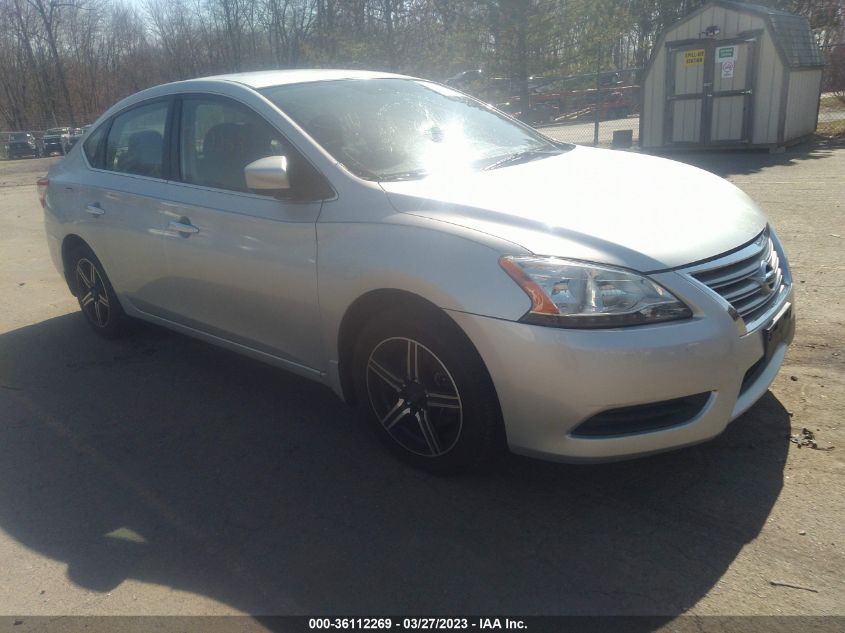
601	109
832	115
588	109
832	103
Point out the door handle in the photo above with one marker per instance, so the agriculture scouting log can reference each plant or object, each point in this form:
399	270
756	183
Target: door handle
184	227
94	209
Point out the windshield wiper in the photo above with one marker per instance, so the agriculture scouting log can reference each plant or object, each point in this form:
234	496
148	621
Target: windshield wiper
519	157
516	157
413	174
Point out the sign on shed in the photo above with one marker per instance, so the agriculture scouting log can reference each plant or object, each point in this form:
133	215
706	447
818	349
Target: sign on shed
694	57
725	54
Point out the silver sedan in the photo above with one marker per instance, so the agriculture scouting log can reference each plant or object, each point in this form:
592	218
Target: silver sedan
467	283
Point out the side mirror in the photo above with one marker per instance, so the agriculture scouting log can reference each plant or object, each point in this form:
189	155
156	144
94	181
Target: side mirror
267	174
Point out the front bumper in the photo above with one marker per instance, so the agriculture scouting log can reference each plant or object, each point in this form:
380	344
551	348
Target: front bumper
550	380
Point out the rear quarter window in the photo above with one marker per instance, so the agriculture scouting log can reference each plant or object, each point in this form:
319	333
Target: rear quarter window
94	146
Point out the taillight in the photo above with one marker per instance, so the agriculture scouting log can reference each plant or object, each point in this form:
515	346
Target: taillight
42	190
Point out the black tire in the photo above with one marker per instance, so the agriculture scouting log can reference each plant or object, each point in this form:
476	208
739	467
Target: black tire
443	431
95	294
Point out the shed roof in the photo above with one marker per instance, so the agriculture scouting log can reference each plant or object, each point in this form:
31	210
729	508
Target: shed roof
791	33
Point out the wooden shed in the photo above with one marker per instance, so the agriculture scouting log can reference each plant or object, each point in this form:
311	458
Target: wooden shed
732	75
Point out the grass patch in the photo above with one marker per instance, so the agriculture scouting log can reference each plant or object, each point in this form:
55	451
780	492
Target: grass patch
832	102
831	128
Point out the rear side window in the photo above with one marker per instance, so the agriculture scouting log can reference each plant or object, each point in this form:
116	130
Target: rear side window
94	146
136	141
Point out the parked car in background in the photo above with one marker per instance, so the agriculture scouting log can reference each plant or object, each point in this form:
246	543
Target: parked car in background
468	283
76	134
22	144
56	141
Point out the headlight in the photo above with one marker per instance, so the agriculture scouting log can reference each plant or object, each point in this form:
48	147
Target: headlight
572	294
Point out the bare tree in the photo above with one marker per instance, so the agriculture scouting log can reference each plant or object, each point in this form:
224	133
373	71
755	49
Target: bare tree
50	13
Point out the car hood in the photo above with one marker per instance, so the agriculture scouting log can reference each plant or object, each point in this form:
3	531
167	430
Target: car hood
613	207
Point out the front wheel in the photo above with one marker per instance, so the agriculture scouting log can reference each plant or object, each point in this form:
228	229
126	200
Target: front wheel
423	389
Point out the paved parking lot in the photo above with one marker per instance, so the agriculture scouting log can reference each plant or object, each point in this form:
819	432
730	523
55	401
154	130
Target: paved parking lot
160	475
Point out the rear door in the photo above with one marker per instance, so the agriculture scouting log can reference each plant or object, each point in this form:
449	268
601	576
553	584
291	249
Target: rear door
121	201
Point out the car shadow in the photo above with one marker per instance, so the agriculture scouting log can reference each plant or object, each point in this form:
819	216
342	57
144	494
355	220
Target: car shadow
163	459
727	163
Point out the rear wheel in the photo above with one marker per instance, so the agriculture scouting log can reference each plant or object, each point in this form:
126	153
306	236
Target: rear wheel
423	389
97	299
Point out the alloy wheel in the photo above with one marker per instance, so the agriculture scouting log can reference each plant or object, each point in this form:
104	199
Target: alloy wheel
93	295
414	397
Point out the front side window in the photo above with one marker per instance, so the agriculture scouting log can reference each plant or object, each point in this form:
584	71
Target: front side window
136	141
220	138
390	129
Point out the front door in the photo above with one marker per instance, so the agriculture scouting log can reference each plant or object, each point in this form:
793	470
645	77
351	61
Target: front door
709	92
243	266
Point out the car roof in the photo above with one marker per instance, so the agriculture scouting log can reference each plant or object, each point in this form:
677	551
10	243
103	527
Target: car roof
267	78
252	80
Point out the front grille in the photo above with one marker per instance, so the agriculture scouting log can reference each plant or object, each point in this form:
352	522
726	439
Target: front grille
749	280
642	418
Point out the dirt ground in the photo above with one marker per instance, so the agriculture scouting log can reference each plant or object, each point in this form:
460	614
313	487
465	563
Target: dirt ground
160	475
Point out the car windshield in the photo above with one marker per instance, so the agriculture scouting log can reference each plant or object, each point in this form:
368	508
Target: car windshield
400	129
20	136
56	130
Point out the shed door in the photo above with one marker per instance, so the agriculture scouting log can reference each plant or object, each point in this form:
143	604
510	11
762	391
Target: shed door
731	101
685	94
709	92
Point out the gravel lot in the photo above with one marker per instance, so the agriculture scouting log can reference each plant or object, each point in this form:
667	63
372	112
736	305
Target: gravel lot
160	475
